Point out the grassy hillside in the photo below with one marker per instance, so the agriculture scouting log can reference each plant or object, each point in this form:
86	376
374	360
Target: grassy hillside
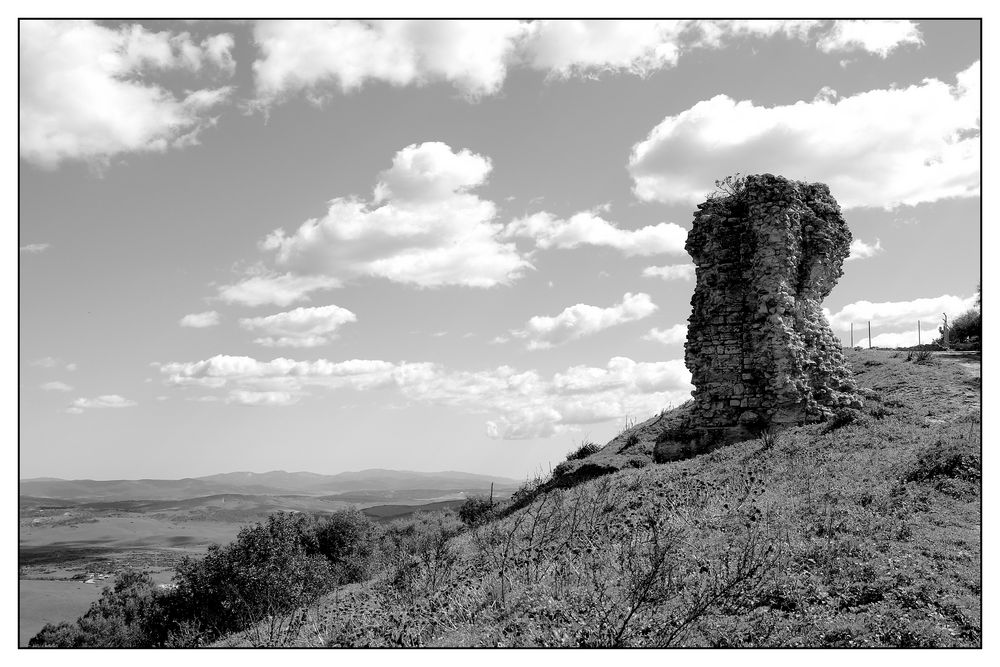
862	531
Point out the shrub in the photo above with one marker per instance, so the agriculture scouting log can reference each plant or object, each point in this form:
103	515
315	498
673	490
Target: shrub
943	461
842	417
583	451
631	441
255	583
475	510
348	539
128	615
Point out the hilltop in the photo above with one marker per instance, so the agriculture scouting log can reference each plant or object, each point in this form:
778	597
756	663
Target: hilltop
860	531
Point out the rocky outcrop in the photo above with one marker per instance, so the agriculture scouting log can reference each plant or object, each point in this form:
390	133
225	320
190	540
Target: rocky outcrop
767	251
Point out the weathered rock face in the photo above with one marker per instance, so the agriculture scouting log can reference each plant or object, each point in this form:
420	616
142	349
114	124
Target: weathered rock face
759	348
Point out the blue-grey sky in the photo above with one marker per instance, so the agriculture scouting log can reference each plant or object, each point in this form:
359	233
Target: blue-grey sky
441	245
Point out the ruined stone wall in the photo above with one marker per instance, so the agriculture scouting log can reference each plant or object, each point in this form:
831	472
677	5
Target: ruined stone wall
759	348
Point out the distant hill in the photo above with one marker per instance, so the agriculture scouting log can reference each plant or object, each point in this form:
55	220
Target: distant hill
278	482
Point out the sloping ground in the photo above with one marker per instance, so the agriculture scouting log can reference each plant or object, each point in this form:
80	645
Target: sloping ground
863	531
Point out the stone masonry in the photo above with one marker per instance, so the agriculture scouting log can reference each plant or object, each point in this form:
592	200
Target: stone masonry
759	348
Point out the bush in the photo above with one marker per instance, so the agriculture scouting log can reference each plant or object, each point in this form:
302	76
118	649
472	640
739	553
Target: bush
348	539
966	328
842	417
475	510
583	451
128	615
943	461
269	572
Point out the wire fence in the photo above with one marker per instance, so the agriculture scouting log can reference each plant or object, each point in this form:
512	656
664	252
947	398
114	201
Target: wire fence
928	334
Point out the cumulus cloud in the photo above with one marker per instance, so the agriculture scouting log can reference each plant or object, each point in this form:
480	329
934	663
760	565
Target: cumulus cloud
316	58
280	289
209	318
261	398
899	314
56	386
878	37
862	250
302	327
34	248
51	362
543	331
881	148
86	91
105	401
670	272
673	335
587	228
422	227
901	338
311	56
565	48
522	404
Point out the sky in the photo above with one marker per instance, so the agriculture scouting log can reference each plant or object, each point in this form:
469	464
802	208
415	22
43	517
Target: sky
441	245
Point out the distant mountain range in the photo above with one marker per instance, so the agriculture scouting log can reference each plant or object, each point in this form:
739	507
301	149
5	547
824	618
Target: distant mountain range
277	482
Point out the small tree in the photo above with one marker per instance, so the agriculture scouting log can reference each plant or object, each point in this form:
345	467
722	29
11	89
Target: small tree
348	539
128	615
475	510
255	583
967	327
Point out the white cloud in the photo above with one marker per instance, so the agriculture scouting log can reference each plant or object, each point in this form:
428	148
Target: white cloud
670	272
34	248
581	320
862	250
267	287
105	401
316	58
209	318
218	49
302	327
587	228
313	56
898	314
56	386
85	92
423	227
522	404
261	398
878	37
671	336
51	362
900	339
565	48
879	148
717	34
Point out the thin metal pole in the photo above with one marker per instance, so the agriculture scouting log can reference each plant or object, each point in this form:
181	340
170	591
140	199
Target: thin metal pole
918	332
852	334
869	334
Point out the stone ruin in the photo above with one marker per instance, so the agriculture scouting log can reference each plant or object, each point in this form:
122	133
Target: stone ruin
767	251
